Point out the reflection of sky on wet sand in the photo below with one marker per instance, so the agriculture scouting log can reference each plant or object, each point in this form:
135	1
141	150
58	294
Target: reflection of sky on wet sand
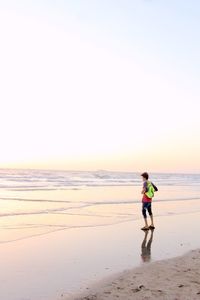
46	266
38	213
66	238
28	214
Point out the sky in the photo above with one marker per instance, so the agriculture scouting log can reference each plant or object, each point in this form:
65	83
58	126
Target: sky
100	84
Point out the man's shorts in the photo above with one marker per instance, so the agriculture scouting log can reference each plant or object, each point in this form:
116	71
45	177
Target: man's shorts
146	206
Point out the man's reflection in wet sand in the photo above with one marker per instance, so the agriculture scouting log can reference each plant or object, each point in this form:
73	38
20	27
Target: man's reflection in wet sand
146	246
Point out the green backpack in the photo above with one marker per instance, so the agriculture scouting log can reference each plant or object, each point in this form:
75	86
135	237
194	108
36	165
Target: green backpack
151	189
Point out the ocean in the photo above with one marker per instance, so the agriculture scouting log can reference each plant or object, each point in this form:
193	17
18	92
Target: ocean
51	180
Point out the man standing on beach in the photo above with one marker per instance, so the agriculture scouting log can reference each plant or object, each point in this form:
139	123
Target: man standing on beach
148	192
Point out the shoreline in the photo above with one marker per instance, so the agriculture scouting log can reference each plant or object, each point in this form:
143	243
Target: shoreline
174	239
168	279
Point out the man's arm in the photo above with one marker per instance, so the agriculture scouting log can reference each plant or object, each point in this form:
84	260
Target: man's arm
144	190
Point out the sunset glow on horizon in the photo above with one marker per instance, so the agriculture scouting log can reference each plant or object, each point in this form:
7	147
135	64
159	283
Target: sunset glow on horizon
92	85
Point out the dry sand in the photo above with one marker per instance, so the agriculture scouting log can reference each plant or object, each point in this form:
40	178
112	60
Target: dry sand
176	278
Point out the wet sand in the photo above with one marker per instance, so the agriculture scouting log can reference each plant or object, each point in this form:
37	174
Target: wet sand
177	278
155	277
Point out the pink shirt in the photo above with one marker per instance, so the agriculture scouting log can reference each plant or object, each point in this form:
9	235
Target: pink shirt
146	199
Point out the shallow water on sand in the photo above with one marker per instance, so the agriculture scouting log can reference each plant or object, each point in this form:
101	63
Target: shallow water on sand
25	214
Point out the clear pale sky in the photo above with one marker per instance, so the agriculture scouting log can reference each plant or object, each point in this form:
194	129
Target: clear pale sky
100	84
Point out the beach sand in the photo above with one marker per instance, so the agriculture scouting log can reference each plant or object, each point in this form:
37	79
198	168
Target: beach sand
176	278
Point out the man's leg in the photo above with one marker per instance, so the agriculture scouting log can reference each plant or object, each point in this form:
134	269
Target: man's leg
150	214
144	215
151	217
146	223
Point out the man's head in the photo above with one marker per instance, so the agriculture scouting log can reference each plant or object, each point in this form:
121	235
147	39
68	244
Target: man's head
145	176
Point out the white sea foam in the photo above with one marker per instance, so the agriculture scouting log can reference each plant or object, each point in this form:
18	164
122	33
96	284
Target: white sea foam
48	180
